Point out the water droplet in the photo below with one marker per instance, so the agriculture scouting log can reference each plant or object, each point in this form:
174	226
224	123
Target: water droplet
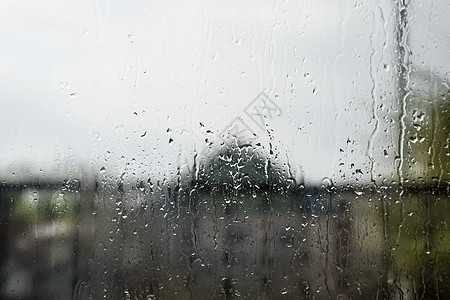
327	183
131	38
357	192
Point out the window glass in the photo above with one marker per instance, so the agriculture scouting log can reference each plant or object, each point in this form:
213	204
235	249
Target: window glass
224	149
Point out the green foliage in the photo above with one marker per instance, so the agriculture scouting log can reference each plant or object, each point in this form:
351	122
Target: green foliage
239	167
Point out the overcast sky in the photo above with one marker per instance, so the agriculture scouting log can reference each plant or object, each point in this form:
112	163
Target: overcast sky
137	86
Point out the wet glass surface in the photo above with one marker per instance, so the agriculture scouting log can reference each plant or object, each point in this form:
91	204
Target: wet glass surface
224	150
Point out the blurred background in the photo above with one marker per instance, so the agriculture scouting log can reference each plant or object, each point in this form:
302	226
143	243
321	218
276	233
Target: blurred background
198	150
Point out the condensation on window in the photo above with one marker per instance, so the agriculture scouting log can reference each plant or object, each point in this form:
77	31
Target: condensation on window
224	150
